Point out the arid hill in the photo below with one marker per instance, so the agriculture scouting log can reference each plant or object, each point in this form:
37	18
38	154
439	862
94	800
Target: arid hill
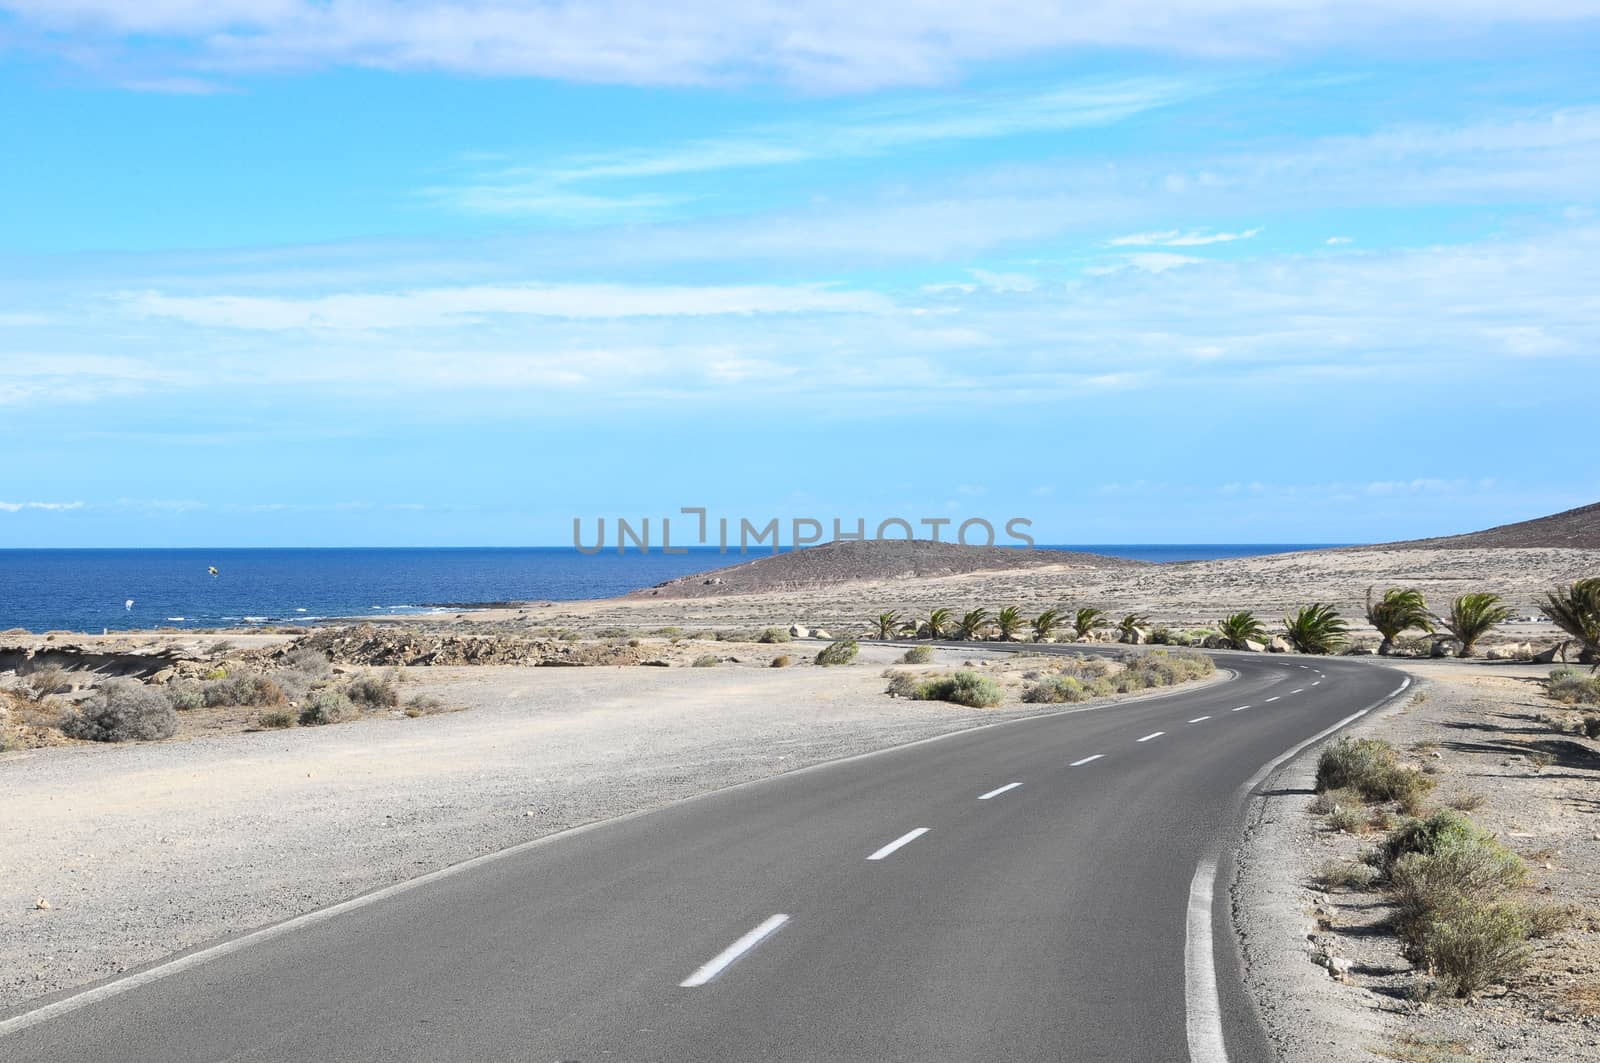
865	561
1574	529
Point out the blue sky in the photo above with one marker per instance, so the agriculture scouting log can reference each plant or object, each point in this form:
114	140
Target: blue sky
278	272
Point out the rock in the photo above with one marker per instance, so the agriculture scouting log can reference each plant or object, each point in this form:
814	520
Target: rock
1278	644
1216	642
1511	651
1551	654
163	677
1253	646
820	634
41	905
798	632
1137	636
1360	650
1442	648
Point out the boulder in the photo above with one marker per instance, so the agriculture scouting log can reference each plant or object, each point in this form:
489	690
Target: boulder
1253	646
1135	636
1551	654
163	677
1512	651
1216	642
798	632
819	633
1442	648
1360	649
1278	644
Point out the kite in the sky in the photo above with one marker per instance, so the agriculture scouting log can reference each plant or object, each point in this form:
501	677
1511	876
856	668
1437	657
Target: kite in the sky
213	571
128	604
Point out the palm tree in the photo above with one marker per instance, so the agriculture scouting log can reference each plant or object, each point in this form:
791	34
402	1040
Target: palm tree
1576	611
1473	616
1240	628
1008	622
937	624
1087	620
886	626
1045	624
1397	611
1315	628
972	625
1128	627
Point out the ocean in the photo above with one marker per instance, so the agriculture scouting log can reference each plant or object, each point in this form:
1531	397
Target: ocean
90	590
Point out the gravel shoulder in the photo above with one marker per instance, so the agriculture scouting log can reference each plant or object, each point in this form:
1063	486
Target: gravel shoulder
1478	730
142	850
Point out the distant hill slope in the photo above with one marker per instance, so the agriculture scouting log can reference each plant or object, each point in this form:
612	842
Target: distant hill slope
1577	529
860	561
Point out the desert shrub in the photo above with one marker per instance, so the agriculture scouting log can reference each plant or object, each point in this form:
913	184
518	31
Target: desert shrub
275	720
774	635
185	696
1548	920
216	673
964	688
1466	802
424	705
1427	886
612	633
1346	821
1572	688
1054	690
218	648
706	660
310	662
1443	829
1162	636
902	685
1591	726
1345	873
255	690
1475	946
45	681
1371	767
917	655
372	692
782	661
328	706
842	652
121	711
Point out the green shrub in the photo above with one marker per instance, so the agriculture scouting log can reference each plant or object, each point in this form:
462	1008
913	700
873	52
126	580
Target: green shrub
123	710
328	706
1444	828
1346	874
185	696
903	685
275	720
1476	945
782	661
1330	801
254	690
216	673
1054	690
1429	885
372	692
774	635
964	688
312	663
917	655
706	660
842	652
1571	688
1371	767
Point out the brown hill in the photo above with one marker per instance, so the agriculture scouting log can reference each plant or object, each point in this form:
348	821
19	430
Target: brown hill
1577	529
866	560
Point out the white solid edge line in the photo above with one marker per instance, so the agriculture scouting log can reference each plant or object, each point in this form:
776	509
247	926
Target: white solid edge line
1197	719
1085	760
905	839
179	964
1202	1005
998	792
1147	737
726	957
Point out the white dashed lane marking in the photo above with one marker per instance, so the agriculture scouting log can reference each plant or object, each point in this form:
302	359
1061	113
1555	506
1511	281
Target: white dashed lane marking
1147	737
998	792
725	958
905	839
1085	760
1197	719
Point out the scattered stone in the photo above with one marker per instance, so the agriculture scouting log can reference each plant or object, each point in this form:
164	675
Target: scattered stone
41	905
1278	644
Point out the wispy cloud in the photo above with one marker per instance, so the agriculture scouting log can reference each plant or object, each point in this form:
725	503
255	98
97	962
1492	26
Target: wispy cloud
54	507
815	44
587	185
1178	238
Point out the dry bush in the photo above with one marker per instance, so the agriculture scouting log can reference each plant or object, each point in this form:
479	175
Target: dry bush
122	710
328	706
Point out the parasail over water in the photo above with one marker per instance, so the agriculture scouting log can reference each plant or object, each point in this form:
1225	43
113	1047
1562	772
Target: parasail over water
213	571
128	604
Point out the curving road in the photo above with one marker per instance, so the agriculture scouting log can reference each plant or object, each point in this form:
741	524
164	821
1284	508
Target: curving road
1046	889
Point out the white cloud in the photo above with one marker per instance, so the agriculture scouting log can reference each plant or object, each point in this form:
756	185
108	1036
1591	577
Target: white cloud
445	307
55	507
1004	282
1160	261
1177	238
817	44
1335	241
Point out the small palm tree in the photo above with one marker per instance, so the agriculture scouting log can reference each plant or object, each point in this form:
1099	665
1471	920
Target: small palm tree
937	625
1128	627
1240	628
1397	611
1088	618
972	625
886	626
1045	624
1473	616
1576	611
1315	628
1008	622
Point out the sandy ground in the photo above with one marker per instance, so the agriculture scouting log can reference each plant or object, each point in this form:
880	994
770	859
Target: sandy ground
144	849
1478	729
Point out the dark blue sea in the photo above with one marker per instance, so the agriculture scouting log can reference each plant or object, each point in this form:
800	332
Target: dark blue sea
87	590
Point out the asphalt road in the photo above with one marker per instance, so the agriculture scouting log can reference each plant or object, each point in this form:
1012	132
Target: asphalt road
1049	909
